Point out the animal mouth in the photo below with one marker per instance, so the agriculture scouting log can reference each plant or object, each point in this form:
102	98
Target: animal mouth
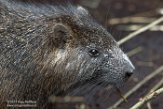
88	85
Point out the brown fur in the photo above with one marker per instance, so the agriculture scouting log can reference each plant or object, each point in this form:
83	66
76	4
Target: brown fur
45	50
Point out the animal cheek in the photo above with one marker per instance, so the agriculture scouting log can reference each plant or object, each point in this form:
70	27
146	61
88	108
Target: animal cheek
71	66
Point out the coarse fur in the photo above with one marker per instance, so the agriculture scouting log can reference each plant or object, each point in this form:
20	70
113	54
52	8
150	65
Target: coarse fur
46	49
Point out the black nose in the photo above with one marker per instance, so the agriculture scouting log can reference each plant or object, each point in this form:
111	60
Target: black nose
128	74
129	70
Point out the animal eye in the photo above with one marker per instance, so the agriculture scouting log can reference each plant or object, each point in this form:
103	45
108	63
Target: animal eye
94	52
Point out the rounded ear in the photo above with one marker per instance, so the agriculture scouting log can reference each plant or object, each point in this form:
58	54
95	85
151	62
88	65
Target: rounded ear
59	36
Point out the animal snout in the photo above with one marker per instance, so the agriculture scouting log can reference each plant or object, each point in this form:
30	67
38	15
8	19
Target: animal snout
129	69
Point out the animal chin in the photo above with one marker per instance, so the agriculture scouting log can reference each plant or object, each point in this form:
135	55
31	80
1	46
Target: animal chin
119	84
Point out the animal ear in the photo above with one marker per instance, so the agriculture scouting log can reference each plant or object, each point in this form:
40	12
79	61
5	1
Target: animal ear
59	36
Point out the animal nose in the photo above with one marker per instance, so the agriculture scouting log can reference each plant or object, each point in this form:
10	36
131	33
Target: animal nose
129	67
129	70
128	74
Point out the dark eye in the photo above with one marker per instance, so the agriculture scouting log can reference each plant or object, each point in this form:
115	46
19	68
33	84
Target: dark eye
93	52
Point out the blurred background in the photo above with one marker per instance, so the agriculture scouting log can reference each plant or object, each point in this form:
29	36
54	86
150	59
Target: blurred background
122	17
